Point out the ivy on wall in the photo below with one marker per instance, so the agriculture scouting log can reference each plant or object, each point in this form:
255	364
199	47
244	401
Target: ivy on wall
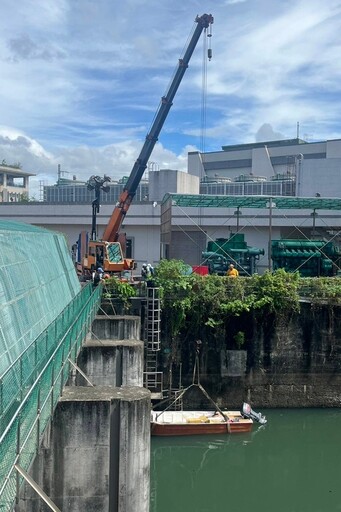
220	310
199	306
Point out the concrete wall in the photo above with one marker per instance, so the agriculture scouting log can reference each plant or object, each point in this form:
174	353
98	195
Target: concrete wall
95	457
334	148
187	246
261	164
115	327
111	363
96	454
317	177
168	181
113	354
289	361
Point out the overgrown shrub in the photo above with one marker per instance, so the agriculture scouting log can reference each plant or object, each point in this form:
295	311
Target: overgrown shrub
122	290
198	306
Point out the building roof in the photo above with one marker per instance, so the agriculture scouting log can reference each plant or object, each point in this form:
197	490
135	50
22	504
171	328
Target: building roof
269	144
281	202
12	169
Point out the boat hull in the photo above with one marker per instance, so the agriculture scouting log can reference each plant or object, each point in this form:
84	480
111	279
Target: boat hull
194	426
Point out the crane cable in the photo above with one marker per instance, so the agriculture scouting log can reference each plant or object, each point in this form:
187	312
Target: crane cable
207	55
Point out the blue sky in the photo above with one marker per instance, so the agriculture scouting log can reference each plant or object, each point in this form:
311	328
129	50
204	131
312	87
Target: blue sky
81	80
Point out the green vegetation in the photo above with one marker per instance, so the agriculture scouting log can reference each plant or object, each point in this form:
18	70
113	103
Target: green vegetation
239	339
176	293
198	306
24	198
16	165
224	312
121	290
319	289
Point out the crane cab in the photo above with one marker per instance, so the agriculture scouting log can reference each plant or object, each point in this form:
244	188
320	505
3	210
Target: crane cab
107	255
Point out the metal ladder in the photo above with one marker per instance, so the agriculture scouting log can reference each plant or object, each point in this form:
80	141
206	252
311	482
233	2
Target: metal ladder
152	329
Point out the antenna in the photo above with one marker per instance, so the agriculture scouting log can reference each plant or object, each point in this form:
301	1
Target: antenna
298	130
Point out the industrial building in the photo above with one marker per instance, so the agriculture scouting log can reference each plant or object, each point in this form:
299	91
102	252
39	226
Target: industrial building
308	172
182	228
315	167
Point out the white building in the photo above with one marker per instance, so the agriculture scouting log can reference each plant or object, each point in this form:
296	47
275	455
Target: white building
13	183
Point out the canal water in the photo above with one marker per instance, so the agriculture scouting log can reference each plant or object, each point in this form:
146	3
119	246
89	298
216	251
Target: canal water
291	464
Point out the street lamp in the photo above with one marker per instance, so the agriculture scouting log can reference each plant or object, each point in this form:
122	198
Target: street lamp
314	214
238	213
97	184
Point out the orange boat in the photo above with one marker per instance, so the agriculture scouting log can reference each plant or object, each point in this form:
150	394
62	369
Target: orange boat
189	423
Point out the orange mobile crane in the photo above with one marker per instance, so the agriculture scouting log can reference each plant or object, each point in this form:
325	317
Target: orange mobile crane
108	253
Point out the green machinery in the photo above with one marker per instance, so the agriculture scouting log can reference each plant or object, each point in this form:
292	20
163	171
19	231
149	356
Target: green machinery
311	258
223	251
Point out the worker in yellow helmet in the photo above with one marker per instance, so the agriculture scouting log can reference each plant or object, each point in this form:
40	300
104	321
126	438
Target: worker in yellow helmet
232	272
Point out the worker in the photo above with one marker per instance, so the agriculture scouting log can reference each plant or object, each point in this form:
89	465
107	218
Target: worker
97	276
147	273
232	272
99	256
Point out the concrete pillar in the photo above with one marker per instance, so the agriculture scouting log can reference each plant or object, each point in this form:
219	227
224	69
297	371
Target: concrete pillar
111	363
96	456
115	327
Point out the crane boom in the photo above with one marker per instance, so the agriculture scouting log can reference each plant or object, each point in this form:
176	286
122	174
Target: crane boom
111	232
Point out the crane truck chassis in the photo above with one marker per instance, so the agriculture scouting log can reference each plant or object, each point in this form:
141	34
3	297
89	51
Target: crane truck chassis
109	253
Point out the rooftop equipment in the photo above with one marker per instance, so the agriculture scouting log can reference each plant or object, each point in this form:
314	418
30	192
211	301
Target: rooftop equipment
249	177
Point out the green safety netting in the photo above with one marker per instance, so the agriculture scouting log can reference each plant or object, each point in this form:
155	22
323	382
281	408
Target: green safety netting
45	315
37	281
29	393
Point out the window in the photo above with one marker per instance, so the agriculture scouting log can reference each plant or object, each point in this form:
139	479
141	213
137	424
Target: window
129	248
114	252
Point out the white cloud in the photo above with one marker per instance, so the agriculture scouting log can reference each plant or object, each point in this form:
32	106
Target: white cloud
81	81
232	2
266	132
115	160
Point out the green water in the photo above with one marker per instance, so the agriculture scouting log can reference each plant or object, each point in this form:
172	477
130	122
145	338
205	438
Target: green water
292	464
